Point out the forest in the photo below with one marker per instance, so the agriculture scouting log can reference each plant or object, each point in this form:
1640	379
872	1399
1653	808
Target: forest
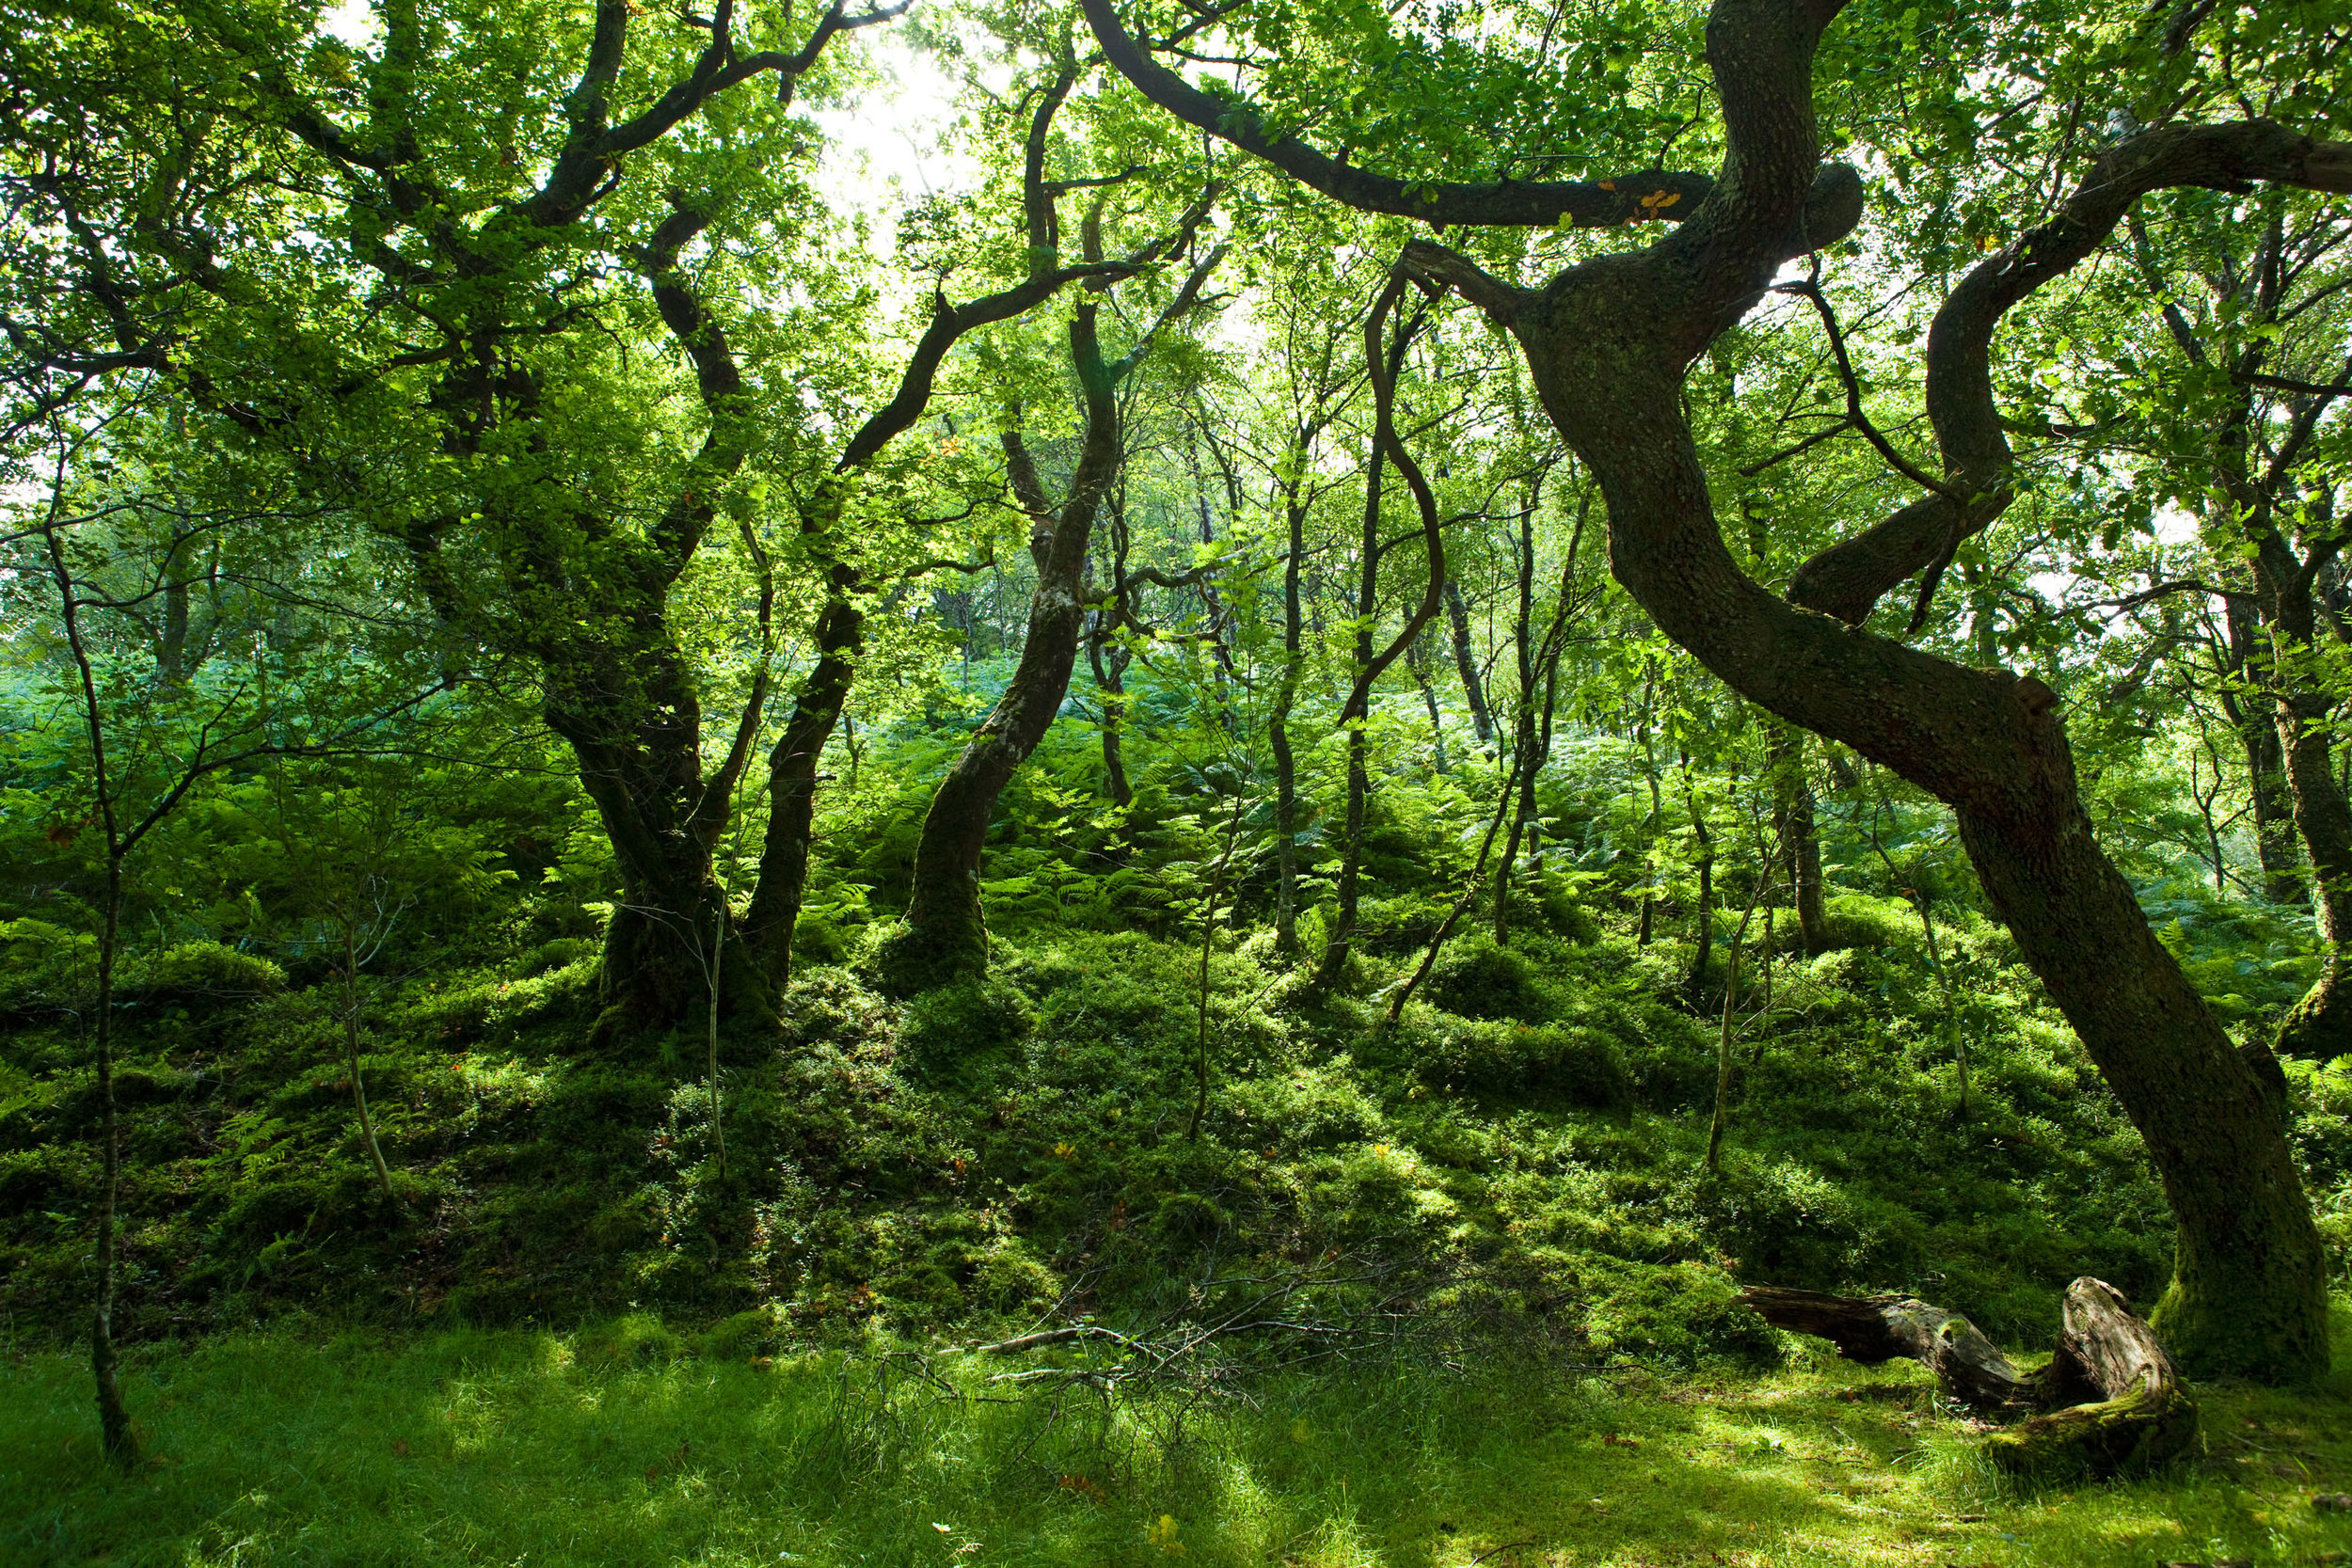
1464	782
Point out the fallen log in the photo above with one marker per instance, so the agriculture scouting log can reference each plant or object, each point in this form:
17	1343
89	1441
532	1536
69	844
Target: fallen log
2109	1402
1873	1329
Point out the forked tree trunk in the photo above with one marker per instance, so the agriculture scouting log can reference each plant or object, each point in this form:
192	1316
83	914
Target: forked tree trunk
635	737
947	935
794	763
1609	343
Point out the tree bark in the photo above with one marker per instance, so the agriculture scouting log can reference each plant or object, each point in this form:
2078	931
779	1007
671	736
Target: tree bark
1417	660
947	935
1109	663
120	1442
793	765
794	762
1703	938
1465	663
1278	737
1523	738
1800	836
1609	342
2109	1402
1339	938
2275	845
1382	365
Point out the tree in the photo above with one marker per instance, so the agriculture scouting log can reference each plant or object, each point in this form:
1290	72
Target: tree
151	730
945	936
1611	340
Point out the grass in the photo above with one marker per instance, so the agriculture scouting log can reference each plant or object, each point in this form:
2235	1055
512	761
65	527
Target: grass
526	1447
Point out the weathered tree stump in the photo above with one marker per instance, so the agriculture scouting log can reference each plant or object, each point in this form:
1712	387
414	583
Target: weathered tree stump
2109	1402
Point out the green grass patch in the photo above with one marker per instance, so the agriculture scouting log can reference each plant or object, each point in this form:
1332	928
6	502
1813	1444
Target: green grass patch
620	1444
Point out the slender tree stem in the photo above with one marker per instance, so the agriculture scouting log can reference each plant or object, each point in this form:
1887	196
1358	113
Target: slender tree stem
351	1054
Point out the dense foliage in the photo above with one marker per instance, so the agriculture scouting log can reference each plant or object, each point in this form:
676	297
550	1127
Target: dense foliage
609	713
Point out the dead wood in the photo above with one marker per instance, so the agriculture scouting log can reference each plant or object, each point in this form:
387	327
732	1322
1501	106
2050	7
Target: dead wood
2109	1402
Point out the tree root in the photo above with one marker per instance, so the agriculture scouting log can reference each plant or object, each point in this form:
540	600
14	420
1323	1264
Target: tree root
2109	1402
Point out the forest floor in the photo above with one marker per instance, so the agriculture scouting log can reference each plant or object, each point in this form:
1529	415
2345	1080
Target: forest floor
1485	1281
515	1446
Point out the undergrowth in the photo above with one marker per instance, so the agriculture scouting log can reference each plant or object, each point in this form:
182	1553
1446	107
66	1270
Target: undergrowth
1525	1146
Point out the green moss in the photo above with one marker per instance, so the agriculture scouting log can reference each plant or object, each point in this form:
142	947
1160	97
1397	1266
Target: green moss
609	1444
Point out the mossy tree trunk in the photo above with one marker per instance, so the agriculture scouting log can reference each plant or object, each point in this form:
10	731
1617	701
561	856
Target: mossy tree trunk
794	763
1466	662
1800	836
2241	657
947	935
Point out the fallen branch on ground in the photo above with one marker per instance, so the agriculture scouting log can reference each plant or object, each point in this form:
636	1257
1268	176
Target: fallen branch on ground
2108	1401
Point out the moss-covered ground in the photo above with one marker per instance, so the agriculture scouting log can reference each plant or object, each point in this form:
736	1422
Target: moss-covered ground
520	1447
1494	1284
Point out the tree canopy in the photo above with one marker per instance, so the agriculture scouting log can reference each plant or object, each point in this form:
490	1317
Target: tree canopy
1418	516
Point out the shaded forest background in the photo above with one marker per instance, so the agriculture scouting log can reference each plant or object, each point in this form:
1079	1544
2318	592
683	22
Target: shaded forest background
590	730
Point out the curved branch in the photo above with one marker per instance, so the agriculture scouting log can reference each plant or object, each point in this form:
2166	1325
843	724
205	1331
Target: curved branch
1848	580
1661	195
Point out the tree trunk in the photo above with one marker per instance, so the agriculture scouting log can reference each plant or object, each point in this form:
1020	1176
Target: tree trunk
1800	836
946	934
1339	938
1703	940
351	1057
2275	843
1611	342
1876	1329
635	735
1278	736
1417	660
1382	366
2319	1026
2274	814
1109	662
1655	823
1523	720
114	1423
792	779
1465	663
